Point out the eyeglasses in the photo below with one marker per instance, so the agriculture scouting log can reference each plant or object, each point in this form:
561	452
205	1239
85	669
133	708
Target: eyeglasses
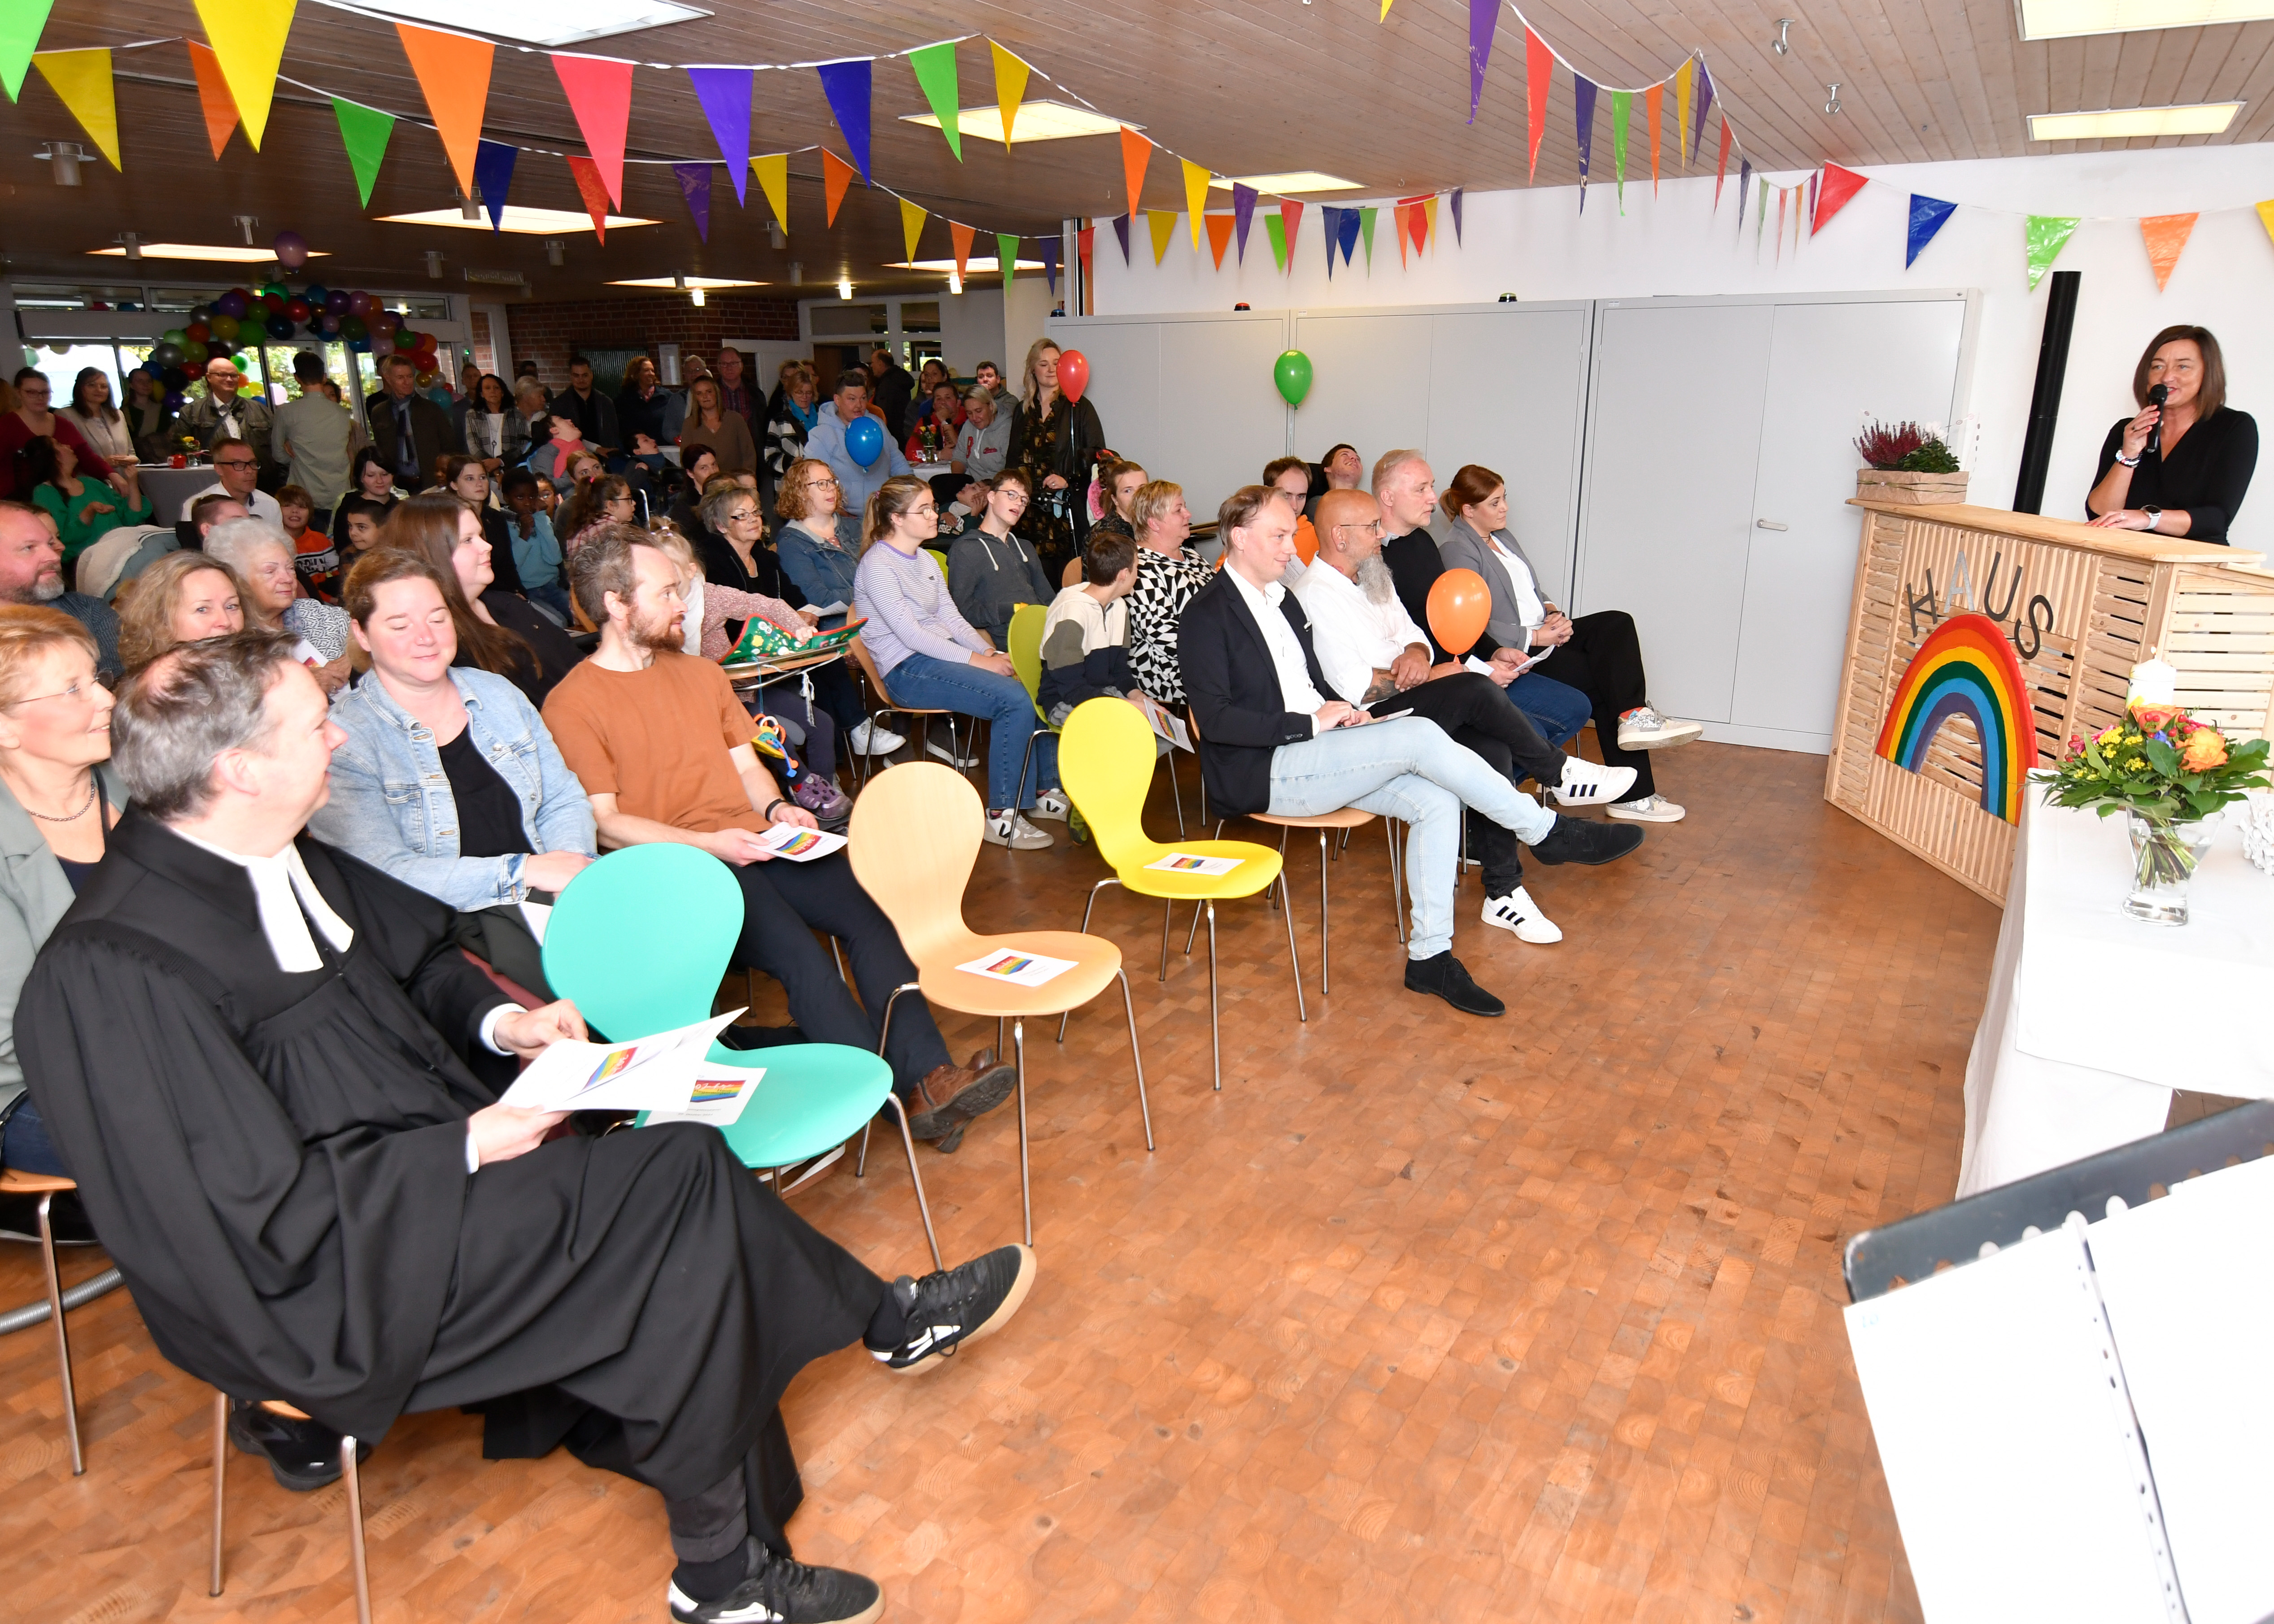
823	484
234	462
743	515
1372	527
924	513
75	693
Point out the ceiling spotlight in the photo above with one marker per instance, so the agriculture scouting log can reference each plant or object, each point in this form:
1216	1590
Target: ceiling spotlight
796	272
132	243
1831	98
66	156
1782	45
775	240
434	263
844	287
245	223
695	295
469	205
556	253
955	281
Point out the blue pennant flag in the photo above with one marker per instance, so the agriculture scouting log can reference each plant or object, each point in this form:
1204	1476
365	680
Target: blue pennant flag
1927	215
846	84
493	175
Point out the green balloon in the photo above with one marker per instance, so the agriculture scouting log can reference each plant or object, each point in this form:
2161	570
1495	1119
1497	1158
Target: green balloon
1292	371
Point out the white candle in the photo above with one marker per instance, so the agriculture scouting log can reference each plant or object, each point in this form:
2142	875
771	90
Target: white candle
2154	682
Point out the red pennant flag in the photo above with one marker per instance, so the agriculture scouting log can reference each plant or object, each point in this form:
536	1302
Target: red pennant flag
1539	65
594	191
1088	237
1290	215
1838	185
599	91
1219	232
1653	101
1417	220
1721	165
836	176
219	106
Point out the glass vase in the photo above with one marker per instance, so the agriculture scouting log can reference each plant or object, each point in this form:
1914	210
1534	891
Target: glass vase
2165	855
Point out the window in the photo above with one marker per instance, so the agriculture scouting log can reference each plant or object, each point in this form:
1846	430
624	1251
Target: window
923	318
53	295
842	319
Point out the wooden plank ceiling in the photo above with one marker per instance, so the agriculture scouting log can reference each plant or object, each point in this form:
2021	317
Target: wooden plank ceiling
1273	85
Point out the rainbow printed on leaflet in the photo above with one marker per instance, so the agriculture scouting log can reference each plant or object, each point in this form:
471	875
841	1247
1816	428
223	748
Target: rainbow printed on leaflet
1967	667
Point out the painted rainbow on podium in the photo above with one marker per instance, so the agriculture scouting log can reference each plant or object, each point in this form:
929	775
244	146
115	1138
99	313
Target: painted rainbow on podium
1967	667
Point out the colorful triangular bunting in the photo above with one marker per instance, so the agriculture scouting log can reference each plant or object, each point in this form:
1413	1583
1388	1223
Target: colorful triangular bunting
1085	241
1484	18
1196	185
912	219
960	235
1331	219
724	94
1366	229
1243	215
847	85
1136	152
21	24
214	99
82	80
1682	76
1926	218
493	178
1006	256
1705	104
362	131
1840	184
1653	108
2042	240
1009	85
248	41
1121	230
1278	233
1290	215
2165	236
1539	67
1050	246
694	185
836	176
1219	236
1457	222
1721	168
1163	224
1622	106
934	71
1582	106
593	189
772	170
454	76
599	91
1347	233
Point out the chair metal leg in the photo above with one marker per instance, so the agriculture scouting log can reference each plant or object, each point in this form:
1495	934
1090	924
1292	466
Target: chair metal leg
1025	762
1287	907
884	1027
908	1143
839	958
62	1337
1215	1036
1175	791
1194	929
1396	879
1168	911
220	1478
1026	1185
1068	1015
998	1037
861	1161
1324	969
1136	1060
353	1480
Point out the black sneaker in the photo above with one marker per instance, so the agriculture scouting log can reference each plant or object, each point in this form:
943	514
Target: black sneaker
782	1591
1576	840
1443	976
302	1454
958	1305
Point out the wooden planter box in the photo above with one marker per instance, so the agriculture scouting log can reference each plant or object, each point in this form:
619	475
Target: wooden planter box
1892	484
2077	608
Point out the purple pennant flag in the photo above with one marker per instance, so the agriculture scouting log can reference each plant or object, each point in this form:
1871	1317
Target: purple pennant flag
1333	234
1243	211
1050	246
1121	230
492	176
1456	216
1705	100
1745	180
1351	219
695	186
725	93
1484	16
1584	101
846	84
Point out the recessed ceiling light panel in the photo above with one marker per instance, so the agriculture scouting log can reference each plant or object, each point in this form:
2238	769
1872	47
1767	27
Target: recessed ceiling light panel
2058	20
681	283
538	22
1288	181
1037	121
2126	123
216	254
517	217
978	265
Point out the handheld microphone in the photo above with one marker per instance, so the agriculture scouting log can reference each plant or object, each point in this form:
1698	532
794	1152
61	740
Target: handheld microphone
2157	396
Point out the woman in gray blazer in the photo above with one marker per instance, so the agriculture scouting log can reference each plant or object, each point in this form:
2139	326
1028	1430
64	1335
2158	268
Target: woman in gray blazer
1598	654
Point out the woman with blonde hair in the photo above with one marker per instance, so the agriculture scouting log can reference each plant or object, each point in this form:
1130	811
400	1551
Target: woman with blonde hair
710	423
182	597
497	631
1056	441
820	545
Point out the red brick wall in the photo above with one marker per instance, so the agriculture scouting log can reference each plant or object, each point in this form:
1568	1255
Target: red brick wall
548	333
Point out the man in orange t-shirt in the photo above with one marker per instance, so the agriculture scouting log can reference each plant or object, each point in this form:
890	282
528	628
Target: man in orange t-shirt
662	747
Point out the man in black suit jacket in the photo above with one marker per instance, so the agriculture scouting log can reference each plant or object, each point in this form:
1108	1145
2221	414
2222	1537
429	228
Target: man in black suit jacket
1271	741
409	433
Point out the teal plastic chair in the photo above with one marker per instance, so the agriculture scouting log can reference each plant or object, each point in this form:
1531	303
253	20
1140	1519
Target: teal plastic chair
639	941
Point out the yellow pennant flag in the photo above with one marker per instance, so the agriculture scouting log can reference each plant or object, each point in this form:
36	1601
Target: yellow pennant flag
1682	76
772	172
248	38
2266	216
1165	227
1009	85
82	80
1429	215
1196	180
1385	13
912	219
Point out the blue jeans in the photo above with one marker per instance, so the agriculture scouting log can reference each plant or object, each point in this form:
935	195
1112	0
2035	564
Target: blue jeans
936	684
1408	769
1556	709
25	1144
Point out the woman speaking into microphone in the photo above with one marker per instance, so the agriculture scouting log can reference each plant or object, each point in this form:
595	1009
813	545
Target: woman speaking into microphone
2181	467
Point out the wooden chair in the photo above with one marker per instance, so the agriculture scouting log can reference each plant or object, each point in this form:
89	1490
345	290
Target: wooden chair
348	1476
891	707
915	835
14	1182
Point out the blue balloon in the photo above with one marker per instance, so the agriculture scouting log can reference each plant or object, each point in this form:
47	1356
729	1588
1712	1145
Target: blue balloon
864	440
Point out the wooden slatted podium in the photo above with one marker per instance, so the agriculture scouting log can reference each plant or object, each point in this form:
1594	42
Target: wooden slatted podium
1938	709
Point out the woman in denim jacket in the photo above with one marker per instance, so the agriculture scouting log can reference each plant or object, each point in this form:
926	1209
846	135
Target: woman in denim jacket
449	780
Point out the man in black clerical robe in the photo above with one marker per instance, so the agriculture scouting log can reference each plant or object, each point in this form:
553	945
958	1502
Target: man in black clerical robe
252	1050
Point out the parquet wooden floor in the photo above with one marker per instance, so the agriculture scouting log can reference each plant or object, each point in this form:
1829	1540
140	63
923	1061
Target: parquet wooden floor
1421	1318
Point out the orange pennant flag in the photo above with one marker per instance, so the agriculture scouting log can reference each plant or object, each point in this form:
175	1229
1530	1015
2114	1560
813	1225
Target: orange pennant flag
1417	224
1404	232
1219	230
836	176
961	236
594	191
2165	236
219	106
453	74
1653	101
1136	152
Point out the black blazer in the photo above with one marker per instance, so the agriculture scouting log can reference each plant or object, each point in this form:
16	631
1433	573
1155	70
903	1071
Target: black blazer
1233	689
2206	476
432	435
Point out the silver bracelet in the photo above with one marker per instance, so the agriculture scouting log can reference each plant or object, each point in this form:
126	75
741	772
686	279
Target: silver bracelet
2128	462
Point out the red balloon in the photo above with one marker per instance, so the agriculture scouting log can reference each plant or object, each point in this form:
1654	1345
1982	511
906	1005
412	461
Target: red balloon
1460	605
1073	373
199	331
297	309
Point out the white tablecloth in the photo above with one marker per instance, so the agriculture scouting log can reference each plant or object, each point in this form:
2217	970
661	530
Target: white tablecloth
167	488
2093	1018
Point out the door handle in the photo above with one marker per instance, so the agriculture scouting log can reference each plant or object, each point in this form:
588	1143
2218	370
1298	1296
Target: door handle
1772	524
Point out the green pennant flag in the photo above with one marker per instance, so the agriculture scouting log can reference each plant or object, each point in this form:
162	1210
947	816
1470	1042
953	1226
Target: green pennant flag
935	66
363	132
1366	229
21	22
1007	255
2048	235
1277	229
1621	104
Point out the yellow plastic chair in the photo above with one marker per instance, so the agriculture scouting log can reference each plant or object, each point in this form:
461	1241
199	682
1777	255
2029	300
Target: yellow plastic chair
915	835
1026	651
1105	763
939	560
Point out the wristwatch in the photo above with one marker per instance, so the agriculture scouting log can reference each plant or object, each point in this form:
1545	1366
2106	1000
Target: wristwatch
2155	516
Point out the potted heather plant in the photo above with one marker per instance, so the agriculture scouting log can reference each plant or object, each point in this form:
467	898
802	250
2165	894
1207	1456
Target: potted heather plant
1905	463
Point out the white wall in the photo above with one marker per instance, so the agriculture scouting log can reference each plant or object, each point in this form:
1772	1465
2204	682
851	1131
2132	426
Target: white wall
971	329
1026	305
1535	244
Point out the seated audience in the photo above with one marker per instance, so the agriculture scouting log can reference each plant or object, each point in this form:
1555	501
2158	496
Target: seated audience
489	427
30	418
983	445
931	435
498	631
262	560
1271	741
1086	634
604	499
1169	576
535	418
558	460
1342	468
645	407
227	411
790	418
1118	484
1291	476
182	597
857	482
820	545
150	424
587	410
987	376
368	480
409	433
930	656
314	557
663	749
700	466
536	553
315	438
464	478
1597	654
46	474
356	522
1377	658
346	1245
709	423
992	569
31	572
100	424
448	779
237	477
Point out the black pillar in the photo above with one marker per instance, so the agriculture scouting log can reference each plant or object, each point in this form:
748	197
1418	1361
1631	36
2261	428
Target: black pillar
2044	401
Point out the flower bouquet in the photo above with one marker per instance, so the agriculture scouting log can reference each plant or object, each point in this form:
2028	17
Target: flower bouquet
2167	773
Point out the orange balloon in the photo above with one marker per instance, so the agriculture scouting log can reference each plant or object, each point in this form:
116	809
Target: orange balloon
1460	604
1306	540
